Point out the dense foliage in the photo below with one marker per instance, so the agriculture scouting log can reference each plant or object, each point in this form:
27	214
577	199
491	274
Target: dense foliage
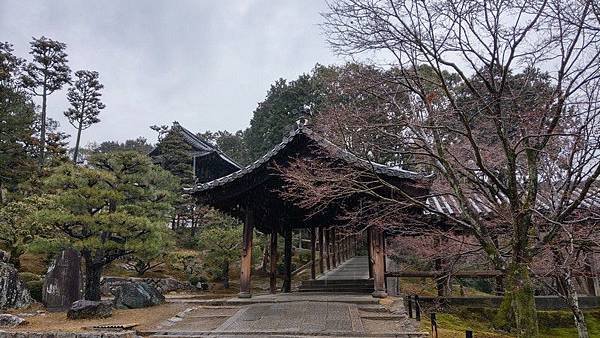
116	207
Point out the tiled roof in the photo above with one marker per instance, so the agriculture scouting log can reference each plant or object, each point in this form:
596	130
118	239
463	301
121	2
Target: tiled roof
333	150
448	204
200	146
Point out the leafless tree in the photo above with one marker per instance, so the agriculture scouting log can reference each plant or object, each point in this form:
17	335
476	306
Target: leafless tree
499	99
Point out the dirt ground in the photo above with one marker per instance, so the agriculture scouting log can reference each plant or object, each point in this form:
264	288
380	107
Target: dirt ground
146	319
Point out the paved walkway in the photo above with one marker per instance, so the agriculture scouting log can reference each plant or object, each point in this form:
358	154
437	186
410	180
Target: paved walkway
354	268
296	315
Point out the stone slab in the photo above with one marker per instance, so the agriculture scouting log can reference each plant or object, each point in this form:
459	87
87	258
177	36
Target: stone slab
289	318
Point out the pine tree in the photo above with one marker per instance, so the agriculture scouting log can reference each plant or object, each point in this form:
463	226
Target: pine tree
115	208
16	120
84	97
47	73
176	156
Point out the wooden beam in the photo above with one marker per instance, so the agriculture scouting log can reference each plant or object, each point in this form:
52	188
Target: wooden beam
273	260
438	274
378	263
246	264
313	253
287	277
321	248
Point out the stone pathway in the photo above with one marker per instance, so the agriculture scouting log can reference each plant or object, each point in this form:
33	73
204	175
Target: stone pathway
293	315
354	268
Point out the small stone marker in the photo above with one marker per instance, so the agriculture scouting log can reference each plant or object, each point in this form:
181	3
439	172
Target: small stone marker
62	285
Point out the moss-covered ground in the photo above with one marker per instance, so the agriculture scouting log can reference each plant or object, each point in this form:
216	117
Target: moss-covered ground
559	324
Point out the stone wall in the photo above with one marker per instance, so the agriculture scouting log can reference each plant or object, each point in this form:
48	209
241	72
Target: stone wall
163	285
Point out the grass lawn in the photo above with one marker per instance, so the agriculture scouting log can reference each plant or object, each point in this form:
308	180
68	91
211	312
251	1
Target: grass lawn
553	324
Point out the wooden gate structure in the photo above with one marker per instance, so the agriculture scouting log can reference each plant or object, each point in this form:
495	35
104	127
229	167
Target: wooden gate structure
253	194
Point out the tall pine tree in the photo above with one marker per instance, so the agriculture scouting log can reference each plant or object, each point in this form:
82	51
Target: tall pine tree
84	97
47	73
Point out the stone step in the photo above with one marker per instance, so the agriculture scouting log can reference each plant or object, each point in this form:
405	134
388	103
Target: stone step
321	282
339	290
190	334
373	308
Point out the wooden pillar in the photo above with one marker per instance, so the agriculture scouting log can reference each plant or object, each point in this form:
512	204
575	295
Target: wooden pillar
321	248
313	253
370	251
333	248
378	259
327	249
287	277
345	248
273	259
246	265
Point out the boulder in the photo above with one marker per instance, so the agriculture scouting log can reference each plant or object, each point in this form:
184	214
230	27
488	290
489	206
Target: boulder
13	291
110	284
85	309
7	320
62	284
137	295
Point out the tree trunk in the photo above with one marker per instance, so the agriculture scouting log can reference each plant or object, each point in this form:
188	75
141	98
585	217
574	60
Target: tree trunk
573	301
226	274
15	253
43	129
2	194
518	305
93	273
264	265
76	151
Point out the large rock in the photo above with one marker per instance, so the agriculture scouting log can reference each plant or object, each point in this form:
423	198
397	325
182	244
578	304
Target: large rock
85	309
137	295
7	320
110	284
62	284
13	291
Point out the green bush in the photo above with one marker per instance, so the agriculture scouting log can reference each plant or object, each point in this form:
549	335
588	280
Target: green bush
35	289
29	276
197	279
304	256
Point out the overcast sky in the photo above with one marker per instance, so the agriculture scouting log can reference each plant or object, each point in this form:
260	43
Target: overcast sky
203	63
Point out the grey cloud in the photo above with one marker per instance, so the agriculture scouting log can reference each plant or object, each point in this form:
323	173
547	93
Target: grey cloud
204	63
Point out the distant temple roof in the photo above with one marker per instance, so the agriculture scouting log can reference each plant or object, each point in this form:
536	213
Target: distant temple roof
200	147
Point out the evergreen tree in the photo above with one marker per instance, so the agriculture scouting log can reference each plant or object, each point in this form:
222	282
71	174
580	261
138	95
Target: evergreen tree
276	115
220	241
47	73
115	208
84	97
175	154
139	144
16	120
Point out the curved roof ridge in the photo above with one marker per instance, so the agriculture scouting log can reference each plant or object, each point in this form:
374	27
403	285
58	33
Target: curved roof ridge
203	144
335	150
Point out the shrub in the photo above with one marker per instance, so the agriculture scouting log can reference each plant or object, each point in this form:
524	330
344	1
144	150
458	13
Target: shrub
29	277
35	289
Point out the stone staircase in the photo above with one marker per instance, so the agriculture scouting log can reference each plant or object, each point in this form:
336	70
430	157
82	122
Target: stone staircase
352	276
364	286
